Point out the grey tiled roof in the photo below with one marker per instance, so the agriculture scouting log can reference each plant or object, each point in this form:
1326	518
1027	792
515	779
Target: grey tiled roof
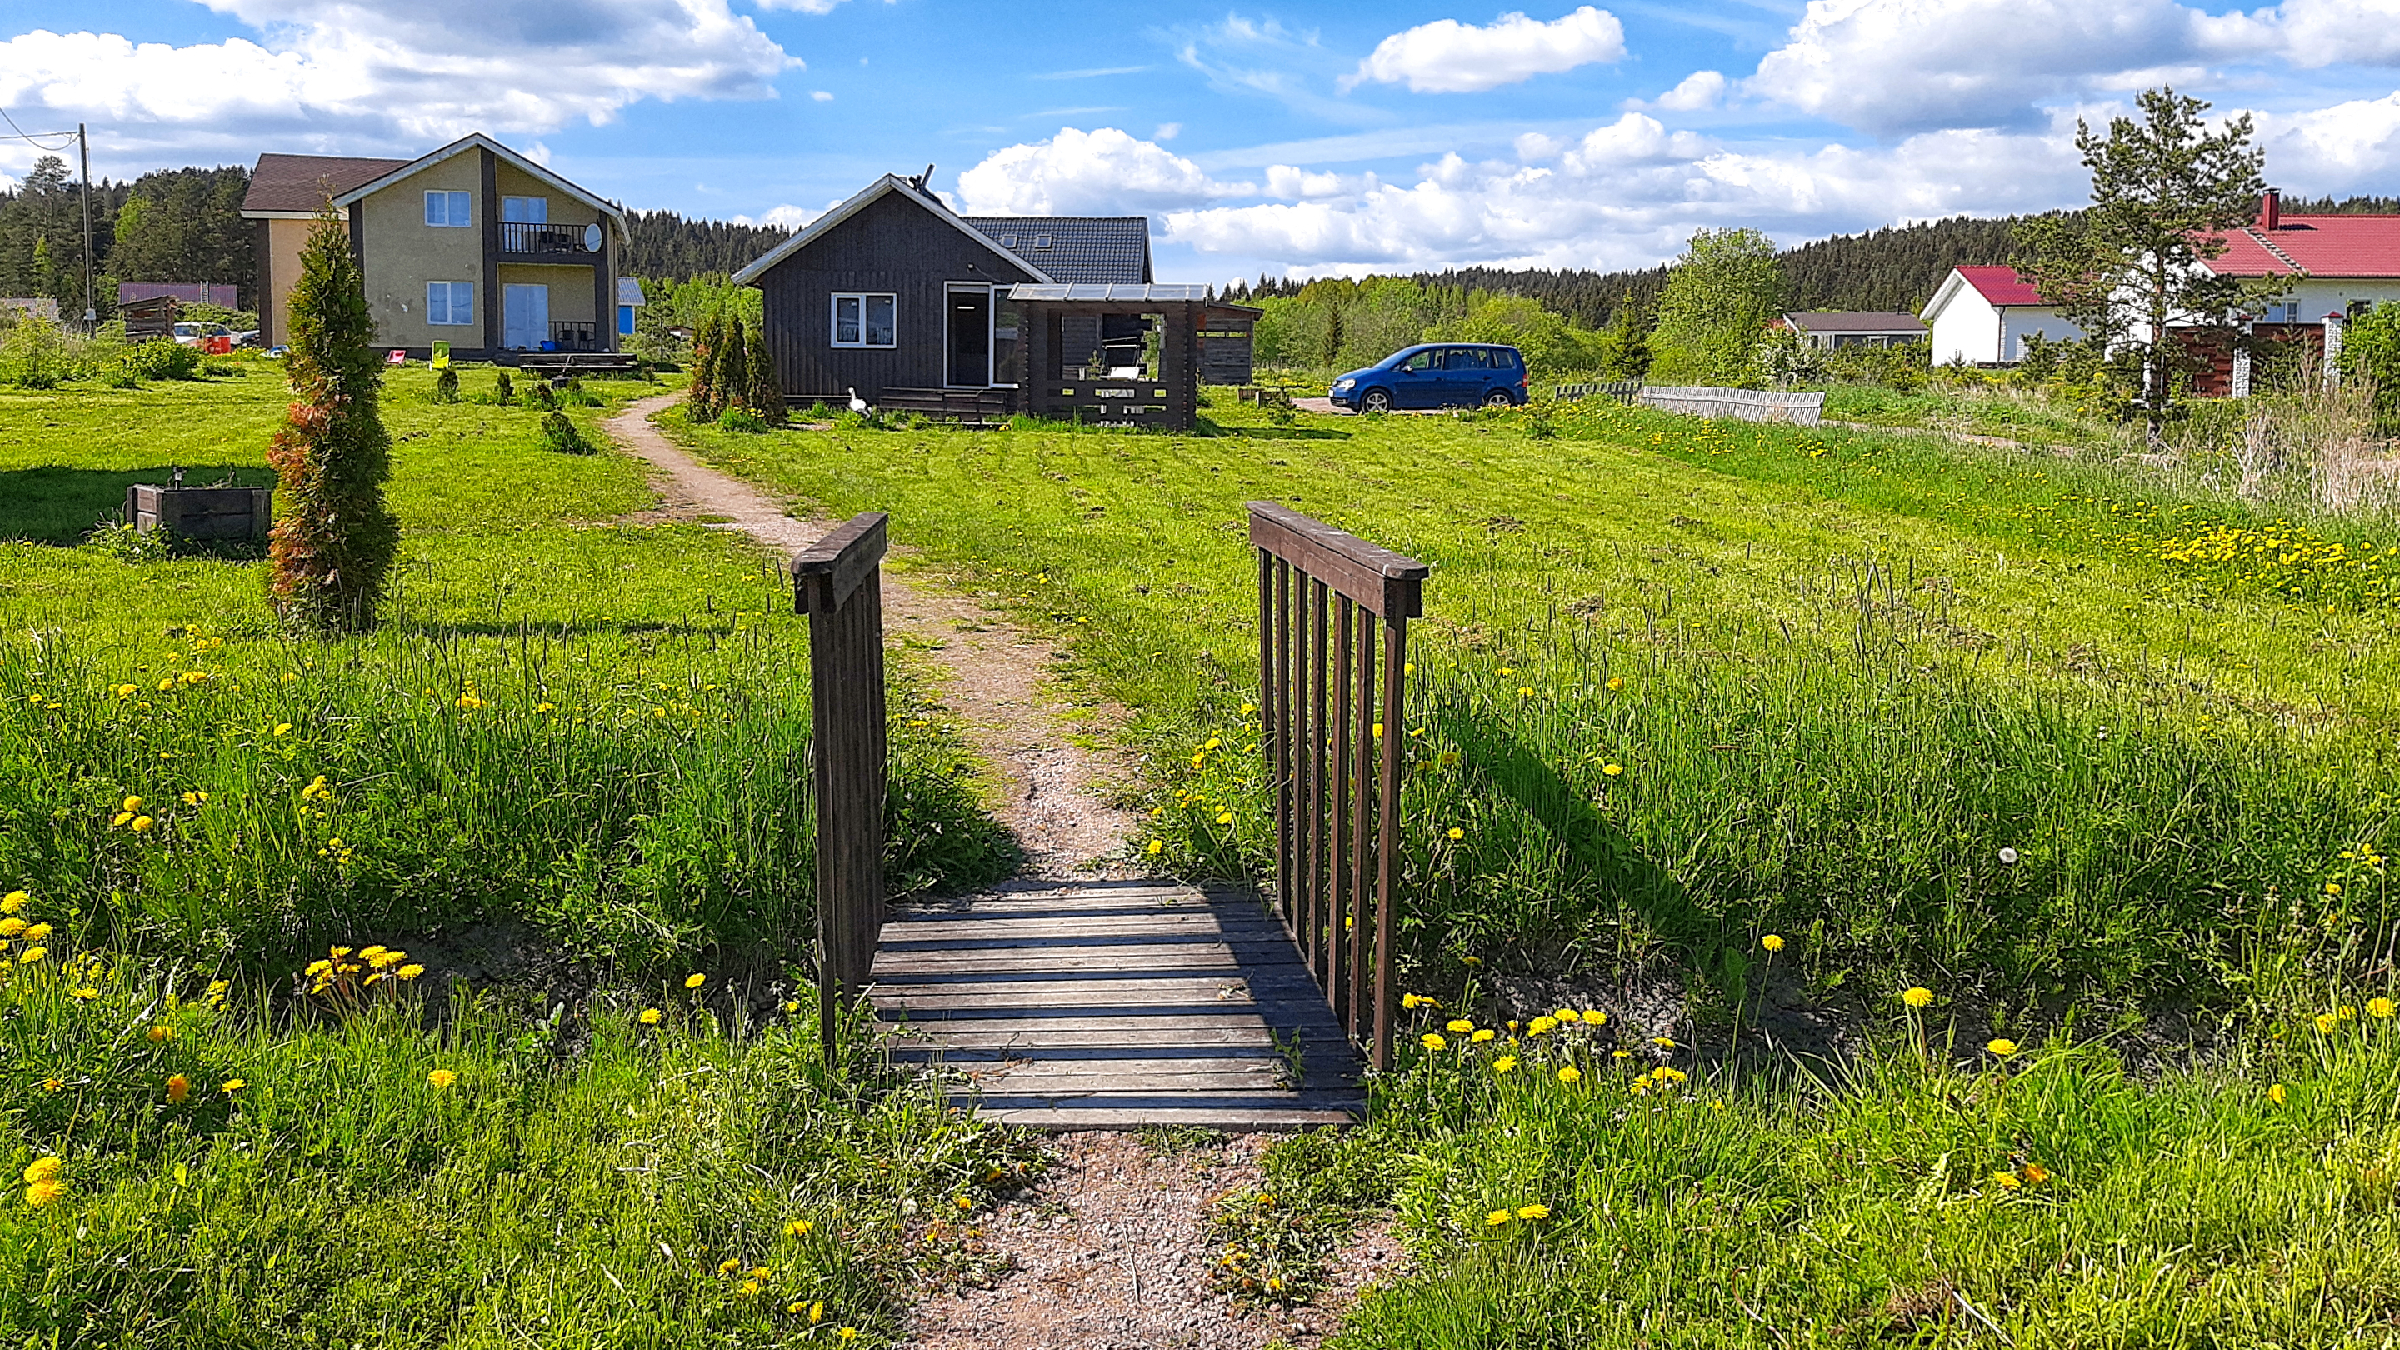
1101	250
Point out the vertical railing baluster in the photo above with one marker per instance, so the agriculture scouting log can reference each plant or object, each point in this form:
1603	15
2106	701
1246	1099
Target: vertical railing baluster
1320	901
1283	740
1338	918
1395	665
1362	839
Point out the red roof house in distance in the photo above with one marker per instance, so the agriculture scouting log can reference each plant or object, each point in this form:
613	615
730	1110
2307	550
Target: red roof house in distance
2339	265
1982	316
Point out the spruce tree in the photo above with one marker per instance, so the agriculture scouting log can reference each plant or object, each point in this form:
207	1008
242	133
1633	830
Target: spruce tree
766	387
332	547
703	402
731	378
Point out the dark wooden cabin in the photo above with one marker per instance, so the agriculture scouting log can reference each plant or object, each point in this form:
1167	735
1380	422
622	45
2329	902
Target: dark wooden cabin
888	291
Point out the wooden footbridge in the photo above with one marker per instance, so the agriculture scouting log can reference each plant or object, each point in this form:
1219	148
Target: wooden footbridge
1093	1005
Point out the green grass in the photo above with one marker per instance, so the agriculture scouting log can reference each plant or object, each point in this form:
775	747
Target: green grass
569	768
2053	1194
595	729
1855	669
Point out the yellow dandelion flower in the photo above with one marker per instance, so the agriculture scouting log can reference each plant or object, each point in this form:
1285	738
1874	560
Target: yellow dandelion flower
442	1078
15	902
1917	996
798	1228
39	932
846	1334
1456	833
179	1089
816	1312
2326	1023
1157	846
2007	1181
42	1193
1504	1064
728	1266
2379	1008
31	955
11	926
1593	1017
2035	1174
283	728
761	1273
1570	1074
1617	683
131	805
650	1017
1530	1212
44	1168
2001	1046
1542	1025
2277	1095
1481	1035
1432	1040
1772	942
694	981
160	1034
411	971
1459	1026
1612	770
233	1085
748	1287
1496	1218
1663	1042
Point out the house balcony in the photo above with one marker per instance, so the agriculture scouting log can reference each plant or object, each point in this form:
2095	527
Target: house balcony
534	241
577	336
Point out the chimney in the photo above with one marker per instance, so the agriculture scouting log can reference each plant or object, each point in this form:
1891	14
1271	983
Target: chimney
2270	210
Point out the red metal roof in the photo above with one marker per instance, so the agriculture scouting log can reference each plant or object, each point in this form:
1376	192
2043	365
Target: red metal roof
2002	285
2322	246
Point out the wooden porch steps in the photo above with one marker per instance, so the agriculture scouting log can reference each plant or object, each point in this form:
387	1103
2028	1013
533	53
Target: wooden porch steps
1111	1005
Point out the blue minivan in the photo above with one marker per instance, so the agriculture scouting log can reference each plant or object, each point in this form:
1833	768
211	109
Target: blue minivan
1436	375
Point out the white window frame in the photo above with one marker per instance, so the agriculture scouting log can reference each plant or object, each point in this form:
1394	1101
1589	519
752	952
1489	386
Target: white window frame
451	291
540	209
864	300
450	199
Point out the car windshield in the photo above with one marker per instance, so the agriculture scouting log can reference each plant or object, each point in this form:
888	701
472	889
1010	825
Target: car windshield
187	330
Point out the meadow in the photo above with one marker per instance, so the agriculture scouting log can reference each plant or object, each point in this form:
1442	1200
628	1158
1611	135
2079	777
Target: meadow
2062	787
567	779
2017	725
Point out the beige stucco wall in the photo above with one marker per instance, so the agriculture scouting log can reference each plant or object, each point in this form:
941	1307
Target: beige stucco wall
570	288
401	253
285	240
564	210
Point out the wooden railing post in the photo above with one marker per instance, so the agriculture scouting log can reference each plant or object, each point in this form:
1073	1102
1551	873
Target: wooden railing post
1336	788
838	583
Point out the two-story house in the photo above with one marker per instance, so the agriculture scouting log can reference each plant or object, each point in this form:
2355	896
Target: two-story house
473	245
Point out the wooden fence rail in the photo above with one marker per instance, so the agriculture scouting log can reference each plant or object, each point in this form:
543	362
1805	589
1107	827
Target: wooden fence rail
838	583
1332	740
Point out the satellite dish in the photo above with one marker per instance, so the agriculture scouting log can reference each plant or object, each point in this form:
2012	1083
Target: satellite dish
591	238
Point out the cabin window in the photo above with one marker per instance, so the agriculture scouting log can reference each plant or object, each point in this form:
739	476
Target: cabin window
865	319
2283	311
451	210
525	210
449	302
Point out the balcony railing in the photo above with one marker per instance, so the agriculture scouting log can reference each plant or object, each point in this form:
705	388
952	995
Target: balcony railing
576	335
517	236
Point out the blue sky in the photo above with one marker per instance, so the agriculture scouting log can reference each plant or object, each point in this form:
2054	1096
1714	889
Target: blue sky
1308	138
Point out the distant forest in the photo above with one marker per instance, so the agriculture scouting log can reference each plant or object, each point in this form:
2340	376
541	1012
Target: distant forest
667	247
171	225
1895	268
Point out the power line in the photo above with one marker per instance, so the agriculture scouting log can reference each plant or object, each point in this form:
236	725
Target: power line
64	138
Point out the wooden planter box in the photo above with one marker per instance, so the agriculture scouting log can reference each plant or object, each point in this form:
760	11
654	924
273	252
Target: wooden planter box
201	512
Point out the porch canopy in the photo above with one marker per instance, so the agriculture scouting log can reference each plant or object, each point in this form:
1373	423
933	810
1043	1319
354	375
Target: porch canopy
1164	393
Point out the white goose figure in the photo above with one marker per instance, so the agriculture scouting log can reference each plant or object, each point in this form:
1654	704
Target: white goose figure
858	405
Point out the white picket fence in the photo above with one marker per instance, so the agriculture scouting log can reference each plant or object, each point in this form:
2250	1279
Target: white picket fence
1748	405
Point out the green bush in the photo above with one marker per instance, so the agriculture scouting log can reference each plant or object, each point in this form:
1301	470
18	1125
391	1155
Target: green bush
35	355
559	434
445	385
161	359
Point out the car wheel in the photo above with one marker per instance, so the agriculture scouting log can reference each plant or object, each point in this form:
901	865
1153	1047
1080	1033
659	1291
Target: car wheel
1375	401
1498	398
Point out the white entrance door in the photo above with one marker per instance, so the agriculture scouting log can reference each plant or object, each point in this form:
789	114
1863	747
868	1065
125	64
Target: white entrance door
524	316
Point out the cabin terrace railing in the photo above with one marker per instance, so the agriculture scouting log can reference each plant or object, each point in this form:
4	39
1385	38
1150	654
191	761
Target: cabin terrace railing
838	583
1330	730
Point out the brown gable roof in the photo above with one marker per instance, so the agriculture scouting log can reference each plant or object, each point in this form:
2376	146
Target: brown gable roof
304	182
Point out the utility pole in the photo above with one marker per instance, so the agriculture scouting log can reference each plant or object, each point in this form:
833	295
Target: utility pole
91	313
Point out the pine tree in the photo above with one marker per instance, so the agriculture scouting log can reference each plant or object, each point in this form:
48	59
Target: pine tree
333	545
766	387
2165	190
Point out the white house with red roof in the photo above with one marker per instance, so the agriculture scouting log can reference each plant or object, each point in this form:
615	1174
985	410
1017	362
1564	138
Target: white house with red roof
1982	316
2338	267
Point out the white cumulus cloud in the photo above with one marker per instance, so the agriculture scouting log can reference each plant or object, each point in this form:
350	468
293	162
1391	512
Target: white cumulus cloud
1094	172
1449	57
1696	91
364	77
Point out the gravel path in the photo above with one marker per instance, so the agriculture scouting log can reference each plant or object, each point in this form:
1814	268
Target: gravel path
1111	1251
